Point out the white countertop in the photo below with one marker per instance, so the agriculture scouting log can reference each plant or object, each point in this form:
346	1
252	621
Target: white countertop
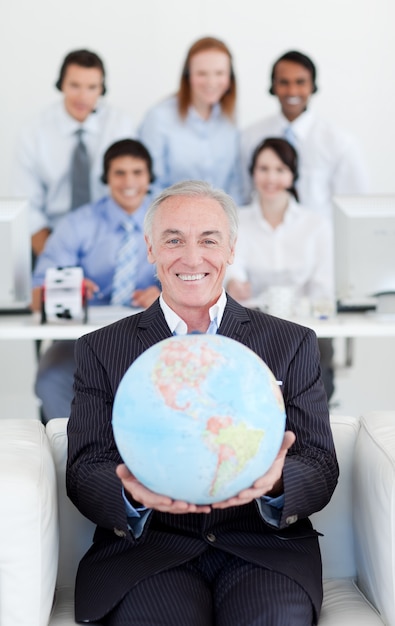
29	327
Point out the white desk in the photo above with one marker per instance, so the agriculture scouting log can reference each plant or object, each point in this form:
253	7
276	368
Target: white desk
351	326
29	327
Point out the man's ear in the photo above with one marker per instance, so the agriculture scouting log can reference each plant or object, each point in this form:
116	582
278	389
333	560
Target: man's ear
150	254
232	253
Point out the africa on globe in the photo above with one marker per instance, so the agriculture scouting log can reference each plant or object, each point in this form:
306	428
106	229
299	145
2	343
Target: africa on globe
198	418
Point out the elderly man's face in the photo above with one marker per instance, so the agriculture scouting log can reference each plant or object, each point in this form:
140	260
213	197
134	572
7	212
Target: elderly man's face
191	248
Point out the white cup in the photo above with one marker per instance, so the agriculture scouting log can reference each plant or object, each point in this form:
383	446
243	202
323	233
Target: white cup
323	308
280	301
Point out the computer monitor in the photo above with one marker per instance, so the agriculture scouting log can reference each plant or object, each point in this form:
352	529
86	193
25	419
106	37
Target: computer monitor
364	236
15	256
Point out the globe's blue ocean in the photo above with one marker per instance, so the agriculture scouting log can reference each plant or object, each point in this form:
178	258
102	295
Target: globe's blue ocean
198	418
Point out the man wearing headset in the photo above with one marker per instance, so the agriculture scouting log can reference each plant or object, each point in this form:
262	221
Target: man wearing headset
45	150
330	161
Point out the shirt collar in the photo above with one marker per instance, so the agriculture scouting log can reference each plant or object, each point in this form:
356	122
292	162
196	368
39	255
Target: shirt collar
117	215
216	112
69	125
292	213
293	210
178	326
301	126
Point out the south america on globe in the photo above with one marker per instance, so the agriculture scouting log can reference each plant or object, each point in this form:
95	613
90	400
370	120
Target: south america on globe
198	418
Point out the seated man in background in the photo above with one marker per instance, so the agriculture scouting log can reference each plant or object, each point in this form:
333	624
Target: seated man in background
106	240
59	154
252	559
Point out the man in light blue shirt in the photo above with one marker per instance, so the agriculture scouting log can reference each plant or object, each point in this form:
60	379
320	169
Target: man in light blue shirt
90	238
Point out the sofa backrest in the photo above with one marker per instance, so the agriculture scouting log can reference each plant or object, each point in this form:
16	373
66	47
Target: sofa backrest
335	521
75	530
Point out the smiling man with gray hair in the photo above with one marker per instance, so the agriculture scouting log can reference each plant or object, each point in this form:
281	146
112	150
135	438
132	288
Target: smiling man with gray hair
252	559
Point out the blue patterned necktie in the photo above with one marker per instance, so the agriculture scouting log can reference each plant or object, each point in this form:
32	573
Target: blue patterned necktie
80	172
124	281
212	329
290	136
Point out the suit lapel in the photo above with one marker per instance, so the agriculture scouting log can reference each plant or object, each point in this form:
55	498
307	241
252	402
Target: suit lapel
152	326
236	322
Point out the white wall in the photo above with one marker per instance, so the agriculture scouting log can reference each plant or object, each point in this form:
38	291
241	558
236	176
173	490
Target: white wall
144	42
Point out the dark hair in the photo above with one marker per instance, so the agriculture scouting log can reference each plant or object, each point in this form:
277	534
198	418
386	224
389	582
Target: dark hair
126	147
228	100
285	152
301	59
83	58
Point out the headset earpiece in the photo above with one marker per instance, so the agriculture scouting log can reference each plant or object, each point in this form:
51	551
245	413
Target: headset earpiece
58	83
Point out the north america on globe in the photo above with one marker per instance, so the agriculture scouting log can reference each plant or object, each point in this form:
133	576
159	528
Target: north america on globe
198	418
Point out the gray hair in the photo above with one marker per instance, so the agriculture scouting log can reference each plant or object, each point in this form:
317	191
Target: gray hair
194	189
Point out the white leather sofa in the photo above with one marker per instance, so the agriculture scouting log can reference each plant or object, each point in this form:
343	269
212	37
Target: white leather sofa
40	549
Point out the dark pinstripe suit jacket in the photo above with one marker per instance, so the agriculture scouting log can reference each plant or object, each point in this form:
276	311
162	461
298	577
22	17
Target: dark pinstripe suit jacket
116	560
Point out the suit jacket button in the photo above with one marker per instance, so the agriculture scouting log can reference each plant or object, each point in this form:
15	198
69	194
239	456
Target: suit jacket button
119	532
211	537
291	519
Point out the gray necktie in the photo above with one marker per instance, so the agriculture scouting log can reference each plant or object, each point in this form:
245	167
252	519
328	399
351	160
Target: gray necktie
80	184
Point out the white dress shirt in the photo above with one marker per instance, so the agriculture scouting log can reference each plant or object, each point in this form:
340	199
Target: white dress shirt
298	253
192	148
43	159
330	160
177	324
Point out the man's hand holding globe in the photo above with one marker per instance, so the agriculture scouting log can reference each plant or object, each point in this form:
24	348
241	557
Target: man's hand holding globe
267	483
199	423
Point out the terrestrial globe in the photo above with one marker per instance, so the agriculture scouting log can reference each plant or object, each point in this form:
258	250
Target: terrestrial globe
198	418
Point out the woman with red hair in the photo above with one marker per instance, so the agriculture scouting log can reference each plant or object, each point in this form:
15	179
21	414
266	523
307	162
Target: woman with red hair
193	135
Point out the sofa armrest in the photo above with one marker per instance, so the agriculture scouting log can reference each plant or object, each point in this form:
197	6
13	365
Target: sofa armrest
28	524
374	510
335	520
